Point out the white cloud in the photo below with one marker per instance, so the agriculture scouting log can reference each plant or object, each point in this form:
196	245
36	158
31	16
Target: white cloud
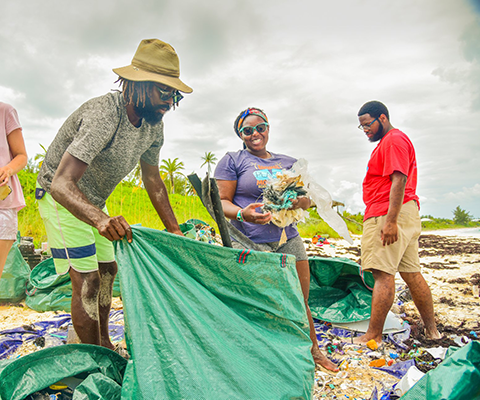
9	95
467	194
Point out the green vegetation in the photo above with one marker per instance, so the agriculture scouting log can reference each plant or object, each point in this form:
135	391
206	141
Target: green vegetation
171	169
131	200
314	225
461	217
210	159
444	223
128	199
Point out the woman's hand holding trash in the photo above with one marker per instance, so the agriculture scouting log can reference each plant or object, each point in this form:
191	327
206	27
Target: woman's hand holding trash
250	214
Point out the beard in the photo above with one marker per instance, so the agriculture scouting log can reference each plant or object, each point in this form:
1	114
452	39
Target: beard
378	135
150	113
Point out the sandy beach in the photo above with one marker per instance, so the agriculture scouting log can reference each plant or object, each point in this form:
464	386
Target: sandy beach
450	261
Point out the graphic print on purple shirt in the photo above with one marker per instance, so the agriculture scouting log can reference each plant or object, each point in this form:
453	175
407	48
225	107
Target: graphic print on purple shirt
251	174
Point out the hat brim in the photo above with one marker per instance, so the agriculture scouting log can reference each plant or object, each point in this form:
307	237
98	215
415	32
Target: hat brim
138	75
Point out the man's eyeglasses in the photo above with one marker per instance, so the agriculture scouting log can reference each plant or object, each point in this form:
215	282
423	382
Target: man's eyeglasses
169	94
248	130
366	126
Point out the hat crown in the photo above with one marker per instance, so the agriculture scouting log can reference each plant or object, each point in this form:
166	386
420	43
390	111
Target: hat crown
156	56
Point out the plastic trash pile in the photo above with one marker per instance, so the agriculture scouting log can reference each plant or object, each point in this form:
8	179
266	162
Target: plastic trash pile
381	372
278	196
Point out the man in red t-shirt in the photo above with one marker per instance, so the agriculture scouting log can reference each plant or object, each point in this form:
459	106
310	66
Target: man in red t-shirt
392	224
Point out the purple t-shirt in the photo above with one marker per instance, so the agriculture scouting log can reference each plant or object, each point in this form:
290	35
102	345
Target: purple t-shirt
251	174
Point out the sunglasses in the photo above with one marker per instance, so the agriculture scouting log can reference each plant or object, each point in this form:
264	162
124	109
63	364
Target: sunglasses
169	94
248	130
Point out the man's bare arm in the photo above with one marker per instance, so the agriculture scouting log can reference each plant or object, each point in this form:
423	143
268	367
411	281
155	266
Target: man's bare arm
65	191
397	192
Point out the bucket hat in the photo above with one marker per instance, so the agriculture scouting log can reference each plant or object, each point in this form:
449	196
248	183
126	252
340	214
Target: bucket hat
154	61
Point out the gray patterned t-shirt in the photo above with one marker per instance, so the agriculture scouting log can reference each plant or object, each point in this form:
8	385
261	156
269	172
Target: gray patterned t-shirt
100	134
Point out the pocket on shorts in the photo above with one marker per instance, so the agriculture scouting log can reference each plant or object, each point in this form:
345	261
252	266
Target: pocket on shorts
45	206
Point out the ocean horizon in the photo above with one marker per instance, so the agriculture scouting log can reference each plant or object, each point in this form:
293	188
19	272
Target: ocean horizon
464	232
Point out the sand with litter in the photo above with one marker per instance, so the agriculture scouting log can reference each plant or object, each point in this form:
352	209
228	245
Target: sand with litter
449	266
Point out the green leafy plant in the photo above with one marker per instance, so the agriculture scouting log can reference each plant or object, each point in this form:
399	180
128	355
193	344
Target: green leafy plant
170	169
209	159
461	217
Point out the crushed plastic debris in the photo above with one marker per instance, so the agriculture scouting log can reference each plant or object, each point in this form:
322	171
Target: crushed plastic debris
372	344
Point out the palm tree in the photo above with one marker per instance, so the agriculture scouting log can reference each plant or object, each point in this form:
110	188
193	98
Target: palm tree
135	175
209	159
171	168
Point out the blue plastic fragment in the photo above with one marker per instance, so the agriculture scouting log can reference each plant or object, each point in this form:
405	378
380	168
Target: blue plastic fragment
398	369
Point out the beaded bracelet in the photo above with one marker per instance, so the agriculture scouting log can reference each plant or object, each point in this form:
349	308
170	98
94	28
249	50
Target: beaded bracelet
240	215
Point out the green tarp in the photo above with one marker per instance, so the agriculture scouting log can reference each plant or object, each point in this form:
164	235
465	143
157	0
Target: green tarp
15	275
456	378
102	368
339	291
52	292
207	322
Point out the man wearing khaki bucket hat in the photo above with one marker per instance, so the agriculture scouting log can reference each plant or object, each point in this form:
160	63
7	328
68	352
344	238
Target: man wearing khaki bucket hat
97	146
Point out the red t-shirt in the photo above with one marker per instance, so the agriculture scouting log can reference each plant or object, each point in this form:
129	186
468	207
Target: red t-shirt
394	152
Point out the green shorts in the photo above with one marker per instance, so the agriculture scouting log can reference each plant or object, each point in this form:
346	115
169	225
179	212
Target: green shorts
73	243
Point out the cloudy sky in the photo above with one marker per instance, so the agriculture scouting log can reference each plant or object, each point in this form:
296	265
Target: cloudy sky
309	64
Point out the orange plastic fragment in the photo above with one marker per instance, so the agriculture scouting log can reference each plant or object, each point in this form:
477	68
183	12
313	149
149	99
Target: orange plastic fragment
378	363
372	345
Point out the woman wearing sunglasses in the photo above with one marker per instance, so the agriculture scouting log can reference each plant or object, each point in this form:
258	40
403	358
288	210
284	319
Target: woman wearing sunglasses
13	157
241	178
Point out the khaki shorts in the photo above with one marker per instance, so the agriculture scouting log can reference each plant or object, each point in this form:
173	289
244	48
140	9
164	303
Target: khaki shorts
401	256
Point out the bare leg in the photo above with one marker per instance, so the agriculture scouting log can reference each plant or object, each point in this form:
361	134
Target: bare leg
422	297
303	271
382	300
85	316
108	271
5	246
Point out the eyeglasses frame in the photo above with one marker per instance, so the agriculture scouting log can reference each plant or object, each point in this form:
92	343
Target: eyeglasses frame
254	128
367	126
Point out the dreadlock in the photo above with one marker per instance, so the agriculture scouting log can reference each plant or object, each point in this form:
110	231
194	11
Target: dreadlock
134	92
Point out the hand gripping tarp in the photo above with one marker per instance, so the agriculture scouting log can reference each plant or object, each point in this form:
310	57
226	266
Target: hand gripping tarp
339	291
208	322
15	275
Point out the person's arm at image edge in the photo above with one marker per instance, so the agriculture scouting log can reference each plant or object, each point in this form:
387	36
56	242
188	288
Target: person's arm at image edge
19	153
